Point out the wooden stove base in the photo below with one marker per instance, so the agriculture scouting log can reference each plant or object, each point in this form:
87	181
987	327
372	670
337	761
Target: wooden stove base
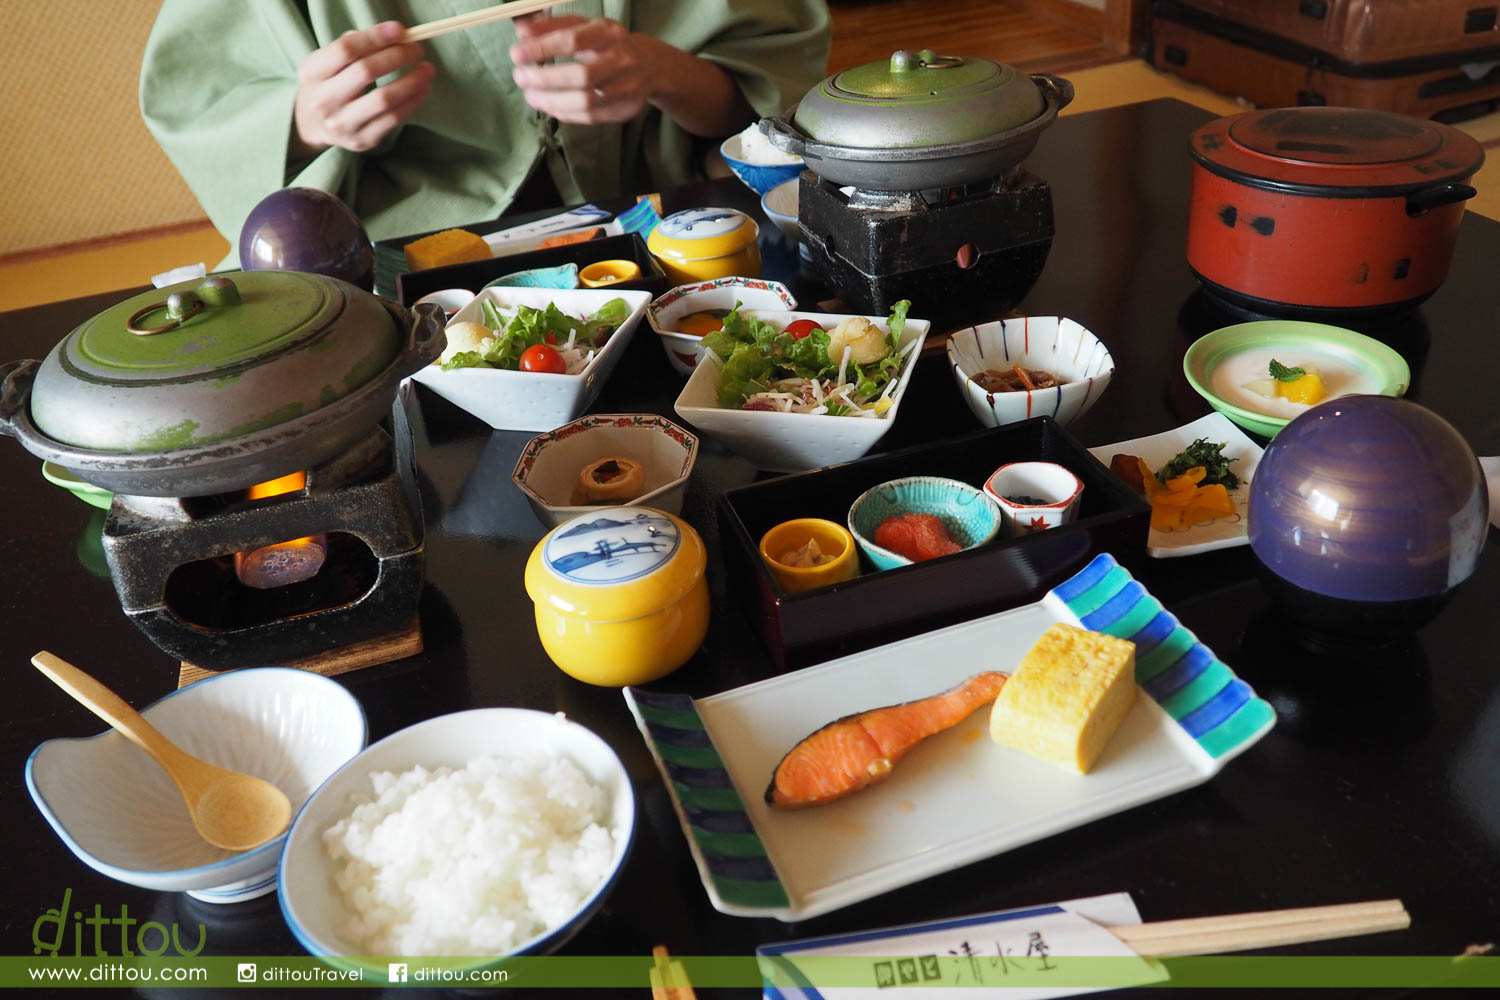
369	653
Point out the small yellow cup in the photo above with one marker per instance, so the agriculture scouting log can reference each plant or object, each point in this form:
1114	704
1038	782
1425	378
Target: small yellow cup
833	539
603	273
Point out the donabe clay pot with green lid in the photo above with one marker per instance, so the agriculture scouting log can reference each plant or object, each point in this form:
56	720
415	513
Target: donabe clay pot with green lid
215	384
919	120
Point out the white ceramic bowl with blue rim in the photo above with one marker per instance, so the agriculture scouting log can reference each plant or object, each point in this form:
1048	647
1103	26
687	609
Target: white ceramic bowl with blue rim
971	516
117	810
312	904
758	177
683	349
1053	344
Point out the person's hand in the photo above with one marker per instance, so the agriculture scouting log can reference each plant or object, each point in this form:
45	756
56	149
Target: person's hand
609	79
338	103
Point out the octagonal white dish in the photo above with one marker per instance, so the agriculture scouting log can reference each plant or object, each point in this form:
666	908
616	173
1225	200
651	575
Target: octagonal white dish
549	464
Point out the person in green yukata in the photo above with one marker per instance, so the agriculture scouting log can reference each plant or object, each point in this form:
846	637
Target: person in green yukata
595	99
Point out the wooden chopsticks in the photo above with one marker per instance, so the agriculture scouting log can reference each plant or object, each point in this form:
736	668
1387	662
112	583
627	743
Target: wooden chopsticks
1264	929
668	978
458	22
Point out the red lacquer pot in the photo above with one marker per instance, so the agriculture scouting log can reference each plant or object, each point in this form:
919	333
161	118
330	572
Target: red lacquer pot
1298	210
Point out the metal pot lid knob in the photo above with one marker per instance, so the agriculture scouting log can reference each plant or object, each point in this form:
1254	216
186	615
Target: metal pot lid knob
905	60
181	306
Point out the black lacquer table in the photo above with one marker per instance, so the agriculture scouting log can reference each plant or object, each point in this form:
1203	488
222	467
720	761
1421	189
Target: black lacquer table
1381	778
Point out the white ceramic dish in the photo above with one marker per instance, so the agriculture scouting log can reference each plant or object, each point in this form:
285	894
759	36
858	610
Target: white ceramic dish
684	350
450	300
1157	449
957	797
793	442
1051	343
549	464
534	401
314	908
780	206
1057	489
117	810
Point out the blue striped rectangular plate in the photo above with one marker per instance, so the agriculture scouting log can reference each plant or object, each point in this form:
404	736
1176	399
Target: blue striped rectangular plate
957	797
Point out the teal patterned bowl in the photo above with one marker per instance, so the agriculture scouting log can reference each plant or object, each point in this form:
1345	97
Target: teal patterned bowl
971	517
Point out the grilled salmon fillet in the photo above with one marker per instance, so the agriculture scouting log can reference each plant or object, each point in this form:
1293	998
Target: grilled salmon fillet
858	750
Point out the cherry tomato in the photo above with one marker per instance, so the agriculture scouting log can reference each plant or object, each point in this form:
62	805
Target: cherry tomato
801	328
541	358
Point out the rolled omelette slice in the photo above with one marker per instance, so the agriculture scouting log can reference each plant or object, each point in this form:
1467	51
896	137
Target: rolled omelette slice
1067	697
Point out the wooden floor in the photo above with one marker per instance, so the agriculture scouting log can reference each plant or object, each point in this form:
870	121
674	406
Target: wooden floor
869	30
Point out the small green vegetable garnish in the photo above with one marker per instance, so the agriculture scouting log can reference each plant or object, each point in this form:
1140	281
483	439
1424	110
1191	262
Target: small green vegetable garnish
1282	373
1210	456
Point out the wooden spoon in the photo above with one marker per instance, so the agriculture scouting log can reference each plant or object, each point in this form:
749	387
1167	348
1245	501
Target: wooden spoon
230	810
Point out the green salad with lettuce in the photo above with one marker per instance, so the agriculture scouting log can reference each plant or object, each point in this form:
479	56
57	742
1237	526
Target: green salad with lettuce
575	339
851	370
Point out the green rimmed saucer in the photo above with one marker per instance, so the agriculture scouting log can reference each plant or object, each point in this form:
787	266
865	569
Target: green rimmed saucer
1380	363
95	496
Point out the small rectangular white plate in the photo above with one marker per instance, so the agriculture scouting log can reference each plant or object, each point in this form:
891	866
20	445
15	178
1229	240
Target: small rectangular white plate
1158	449
955	798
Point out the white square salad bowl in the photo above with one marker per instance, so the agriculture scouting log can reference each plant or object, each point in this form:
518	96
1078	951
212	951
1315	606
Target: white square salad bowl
117	810
794	442
535	401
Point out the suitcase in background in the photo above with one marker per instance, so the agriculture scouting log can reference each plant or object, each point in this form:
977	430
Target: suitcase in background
1359	32
1271	70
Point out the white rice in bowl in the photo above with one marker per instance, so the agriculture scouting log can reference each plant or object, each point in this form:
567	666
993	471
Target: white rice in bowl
756	148
474	861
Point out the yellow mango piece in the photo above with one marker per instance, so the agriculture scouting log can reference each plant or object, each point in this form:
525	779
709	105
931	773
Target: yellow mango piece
1214	498
1307	389
1187	480
1148	478
1165	518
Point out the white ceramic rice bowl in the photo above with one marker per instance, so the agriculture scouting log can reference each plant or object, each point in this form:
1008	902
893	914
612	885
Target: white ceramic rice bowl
535	401
684	350
311	903
549	464
1051	343
793	442
117	810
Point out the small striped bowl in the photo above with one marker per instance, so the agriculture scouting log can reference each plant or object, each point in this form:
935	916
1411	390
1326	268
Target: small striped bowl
1051	343
969	514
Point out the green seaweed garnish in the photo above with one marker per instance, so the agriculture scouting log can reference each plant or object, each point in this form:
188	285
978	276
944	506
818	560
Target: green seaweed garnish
1205	453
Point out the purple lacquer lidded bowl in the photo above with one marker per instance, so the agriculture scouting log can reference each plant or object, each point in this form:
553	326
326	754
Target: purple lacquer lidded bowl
1366	512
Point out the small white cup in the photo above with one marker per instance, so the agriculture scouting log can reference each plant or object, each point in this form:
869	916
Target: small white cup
1034	496
450	300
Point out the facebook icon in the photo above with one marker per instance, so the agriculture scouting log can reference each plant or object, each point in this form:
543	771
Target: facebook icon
396	972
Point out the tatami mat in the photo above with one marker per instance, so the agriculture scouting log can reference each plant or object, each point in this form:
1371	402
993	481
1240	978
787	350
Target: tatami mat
84	271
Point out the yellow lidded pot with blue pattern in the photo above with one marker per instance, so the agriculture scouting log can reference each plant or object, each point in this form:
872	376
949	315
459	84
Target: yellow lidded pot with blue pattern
700	244
620	594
